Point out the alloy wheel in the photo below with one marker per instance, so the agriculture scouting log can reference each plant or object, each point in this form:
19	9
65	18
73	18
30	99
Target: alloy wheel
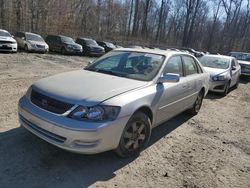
134	136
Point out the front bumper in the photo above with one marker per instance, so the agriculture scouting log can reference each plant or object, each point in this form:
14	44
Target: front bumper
245	69
8	47
71	135
74	50
217	86
96	53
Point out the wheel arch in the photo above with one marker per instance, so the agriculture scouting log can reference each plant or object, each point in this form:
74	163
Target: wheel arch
146	110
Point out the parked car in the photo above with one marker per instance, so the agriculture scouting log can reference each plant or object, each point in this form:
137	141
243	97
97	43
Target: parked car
7	42
114	103
244	61
108	46
31	42
90	47
63	44
224	72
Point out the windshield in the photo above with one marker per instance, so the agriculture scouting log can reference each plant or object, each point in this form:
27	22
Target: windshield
110	45
215	62
67	40
243	57
34	37
91	42
134	65
4	34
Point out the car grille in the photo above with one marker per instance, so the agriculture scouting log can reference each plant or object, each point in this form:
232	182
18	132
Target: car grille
4	47
40	46
48	103
42	131
5	42
245	67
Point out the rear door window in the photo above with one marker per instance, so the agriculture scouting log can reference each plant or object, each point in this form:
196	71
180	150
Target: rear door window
190	66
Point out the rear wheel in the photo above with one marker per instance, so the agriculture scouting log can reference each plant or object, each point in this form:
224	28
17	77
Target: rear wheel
197	104
135	136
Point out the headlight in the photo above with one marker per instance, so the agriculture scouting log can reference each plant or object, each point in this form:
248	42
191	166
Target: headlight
31	45
96	113
219	78
27	94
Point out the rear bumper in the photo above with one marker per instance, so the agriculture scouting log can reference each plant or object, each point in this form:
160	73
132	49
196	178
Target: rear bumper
71	135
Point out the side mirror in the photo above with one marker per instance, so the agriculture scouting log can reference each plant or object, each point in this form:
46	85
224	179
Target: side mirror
233	67
170	77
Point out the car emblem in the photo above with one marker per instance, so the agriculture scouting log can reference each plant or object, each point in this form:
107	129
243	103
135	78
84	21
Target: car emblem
44	102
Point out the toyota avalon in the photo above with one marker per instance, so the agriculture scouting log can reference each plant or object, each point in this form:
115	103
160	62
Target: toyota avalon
114	103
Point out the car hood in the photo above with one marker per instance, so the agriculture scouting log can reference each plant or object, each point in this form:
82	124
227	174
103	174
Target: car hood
37	42
214	71
7	39
85	87
244	62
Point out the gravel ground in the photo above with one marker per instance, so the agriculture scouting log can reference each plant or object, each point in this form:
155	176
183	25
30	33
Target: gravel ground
211	149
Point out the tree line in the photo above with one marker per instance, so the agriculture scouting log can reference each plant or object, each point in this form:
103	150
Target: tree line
208	25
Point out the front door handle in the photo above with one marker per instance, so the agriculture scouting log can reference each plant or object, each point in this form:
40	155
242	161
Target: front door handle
184	86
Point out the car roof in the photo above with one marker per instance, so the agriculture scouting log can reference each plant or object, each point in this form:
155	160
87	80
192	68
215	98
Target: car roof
31	33
219	56
82	38
4	30
152	51
58	36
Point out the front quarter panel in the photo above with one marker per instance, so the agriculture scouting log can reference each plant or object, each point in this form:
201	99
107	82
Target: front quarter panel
132	101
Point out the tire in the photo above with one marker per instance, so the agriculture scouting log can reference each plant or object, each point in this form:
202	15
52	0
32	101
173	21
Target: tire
26	48
135	136
63	51
237	83
226	90
197	104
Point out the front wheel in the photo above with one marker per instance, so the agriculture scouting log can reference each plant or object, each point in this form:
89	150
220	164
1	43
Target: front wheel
63	51
197	104
26	48
237	83
135	136
226	89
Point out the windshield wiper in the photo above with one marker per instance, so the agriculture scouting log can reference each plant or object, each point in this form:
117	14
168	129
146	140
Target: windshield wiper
106	72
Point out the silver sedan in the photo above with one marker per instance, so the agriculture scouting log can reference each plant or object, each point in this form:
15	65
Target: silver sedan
224	72
114	103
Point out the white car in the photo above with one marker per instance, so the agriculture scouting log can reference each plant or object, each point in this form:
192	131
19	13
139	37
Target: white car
224	72
7	42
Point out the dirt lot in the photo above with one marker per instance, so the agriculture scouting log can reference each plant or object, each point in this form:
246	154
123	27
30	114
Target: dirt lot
211	149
